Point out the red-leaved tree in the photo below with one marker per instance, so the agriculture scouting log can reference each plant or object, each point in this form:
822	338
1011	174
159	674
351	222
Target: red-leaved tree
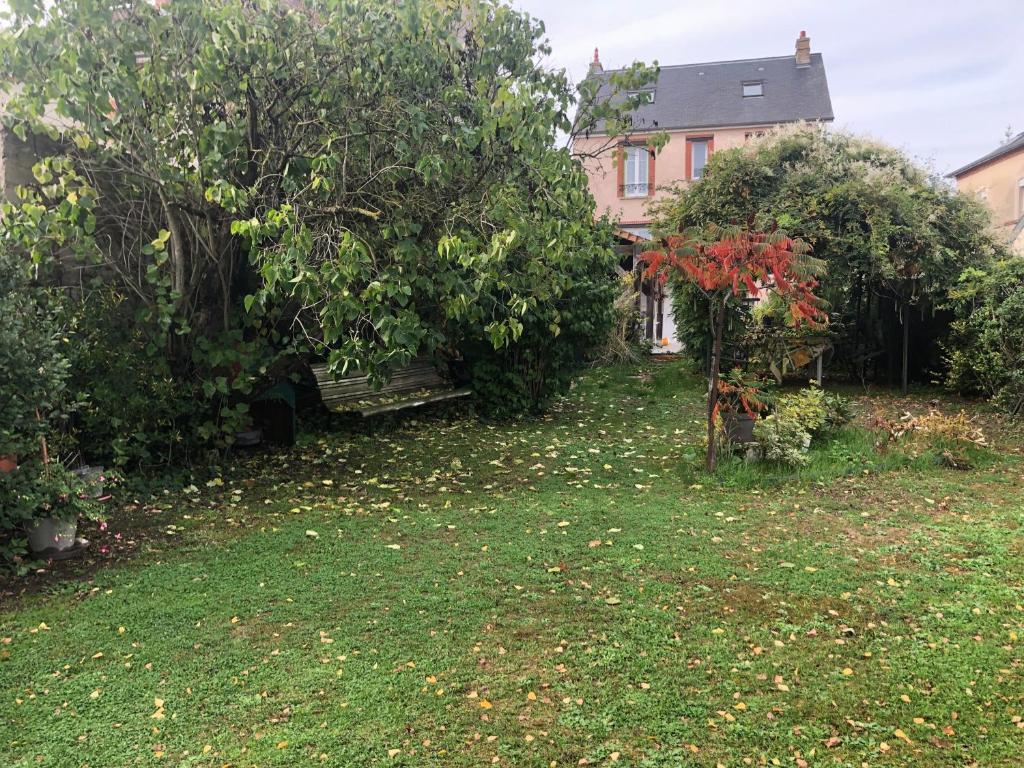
730	264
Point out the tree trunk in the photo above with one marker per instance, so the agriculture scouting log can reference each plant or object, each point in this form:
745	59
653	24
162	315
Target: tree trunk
906	345
716	362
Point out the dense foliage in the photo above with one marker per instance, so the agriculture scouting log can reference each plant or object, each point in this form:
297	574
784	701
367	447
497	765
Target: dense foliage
247	180
986	351
893	238
33	363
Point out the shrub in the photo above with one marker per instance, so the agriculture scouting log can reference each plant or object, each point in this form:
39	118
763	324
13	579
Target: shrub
783	440
806	408
624	342
523	376
838	411
784	436
986	352
33	363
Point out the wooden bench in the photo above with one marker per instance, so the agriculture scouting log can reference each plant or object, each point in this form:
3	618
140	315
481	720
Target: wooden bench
417	384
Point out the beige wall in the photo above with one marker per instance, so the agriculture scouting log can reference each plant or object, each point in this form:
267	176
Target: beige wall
999	183
669	167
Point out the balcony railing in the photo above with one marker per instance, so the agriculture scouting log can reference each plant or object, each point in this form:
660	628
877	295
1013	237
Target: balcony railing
634	190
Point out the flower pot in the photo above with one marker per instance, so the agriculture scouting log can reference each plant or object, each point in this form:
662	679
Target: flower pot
51	533
94	477
8	463
739	427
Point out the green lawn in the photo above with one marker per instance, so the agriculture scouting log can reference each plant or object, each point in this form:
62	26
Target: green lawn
559	592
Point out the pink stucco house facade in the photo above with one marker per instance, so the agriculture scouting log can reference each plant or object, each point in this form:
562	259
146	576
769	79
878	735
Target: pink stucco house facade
997	179
704	108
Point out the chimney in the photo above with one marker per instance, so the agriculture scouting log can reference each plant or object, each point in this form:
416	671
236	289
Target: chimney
595	65
803	50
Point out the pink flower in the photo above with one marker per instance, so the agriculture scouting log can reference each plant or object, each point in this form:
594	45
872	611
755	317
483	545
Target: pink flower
103	525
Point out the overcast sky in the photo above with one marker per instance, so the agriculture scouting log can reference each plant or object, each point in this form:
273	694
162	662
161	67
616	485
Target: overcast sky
941	79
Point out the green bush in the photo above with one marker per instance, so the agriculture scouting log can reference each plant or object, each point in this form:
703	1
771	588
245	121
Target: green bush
524	376
986	352
33	363
784	436
782	440
806	408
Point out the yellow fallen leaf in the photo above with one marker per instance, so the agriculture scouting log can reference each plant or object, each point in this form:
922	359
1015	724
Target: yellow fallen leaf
394	752
485	704
531	696
899	734
95	694
282	744
847	671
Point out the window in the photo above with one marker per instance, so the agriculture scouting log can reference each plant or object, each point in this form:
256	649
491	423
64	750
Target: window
647	95
1020	199
753	88
697	151
635	176
753	135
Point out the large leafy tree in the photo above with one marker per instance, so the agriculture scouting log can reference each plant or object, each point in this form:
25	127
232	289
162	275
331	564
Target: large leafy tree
380	180
893	237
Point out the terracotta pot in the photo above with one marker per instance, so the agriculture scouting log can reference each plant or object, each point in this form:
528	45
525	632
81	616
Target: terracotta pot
8	463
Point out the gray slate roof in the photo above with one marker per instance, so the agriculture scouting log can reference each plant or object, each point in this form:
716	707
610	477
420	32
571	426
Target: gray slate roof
711	95
1017	142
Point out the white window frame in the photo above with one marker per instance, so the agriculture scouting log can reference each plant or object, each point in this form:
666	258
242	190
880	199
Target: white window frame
759	84
1020	198
696	173
648	92
636	175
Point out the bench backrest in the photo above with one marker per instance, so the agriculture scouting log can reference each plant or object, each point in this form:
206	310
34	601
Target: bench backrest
420	374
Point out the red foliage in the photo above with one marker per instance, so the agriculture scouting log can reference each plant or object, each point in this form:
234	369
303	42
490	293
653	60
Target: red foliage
742	262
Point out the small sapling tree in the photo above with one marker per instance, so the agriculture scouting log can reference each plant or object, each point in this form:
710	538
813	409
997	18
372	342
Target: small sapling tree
730	264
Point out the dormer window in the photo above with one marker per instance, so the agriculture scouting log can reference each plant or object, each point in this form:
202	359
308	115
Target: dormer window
646	95
753	88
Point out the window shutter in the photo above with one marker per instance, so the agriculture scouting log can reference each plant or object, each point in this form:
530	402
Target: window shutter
650	171
620	186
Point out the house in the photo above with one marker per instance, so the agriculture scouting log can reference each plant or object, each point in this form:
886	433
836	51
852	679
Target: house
703	108
997	179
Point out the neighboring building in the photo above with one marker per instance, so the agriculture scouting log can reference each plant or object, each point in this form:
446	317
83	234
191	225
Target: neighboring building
704	108
998	180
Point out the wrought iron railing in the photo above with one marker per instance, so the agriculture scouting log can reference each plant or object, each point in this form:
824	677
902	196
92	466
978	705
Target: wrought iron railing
634	190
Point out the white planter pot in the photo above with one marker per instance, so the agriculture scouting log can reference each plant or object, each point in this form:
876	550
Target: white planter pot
51	533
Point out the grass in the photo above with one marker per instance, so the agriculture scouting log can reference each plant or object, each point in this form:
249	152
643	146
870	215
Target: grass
571	590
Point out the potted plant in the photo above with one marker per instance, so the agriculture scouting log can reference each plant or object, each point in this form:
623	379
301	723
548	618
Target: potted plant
58	498
740	402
